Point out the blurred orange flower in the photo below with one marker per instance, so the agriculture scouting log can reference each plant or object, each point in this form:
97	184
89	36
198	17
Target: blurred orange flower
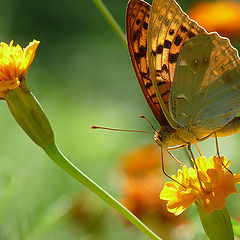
219	16
142	182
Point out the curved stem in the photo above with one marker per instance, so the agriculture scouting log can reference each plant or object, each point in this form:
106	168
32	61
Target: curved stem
55	154
112	22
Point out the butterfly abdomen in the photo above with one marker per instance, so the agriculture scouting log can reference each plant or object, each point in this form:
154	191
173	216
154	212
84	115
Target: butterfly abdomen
230	128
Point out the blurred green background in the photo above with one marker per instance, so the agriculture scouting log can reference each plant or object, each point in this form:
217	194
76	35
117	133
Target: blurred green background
82	76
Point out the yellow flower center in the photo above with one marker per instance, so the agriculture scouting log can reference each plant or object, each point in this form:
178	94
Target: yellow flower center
14	63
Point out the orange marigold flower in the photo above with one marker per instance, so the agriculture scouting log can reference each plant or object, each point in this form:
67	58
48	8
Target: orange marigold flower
14	63
217	182
142	182
219	16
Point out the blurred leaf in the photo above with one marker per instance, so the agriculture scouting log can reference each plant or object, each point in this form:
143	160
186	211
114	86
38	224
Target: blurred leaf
236	228
200	236
50	218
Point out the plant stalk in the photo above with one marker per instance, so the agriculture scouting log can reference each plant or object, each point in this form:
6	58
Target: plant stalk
112	22
55	154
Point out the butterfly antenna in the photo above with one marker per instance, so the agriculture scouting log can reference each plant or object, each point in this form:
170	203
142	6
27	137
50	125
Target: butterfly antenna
120	130
141	116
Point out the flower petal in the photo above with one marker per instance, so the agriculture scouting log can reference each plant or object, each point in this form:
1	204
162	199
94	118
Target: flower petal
14	63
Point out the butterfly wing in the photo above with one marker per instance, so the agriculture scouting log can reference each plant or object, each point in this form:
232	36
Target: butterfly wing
210	98
169	29
137	18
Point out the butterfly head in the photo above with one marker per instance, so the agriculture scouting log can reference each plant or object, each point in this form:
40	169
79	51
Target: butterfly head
163	137
168	137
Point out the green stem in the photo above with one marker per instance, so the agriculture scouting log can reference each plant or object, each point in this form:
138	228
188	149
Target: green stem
112	22
55	154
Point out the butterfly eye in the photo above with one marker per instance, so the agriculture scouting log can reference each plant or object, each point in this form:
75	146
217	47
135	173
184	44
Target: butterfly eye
165	136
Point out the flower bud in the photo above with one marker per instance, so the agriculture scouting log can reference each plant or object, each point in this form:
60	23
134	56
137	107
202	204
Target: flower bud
29	115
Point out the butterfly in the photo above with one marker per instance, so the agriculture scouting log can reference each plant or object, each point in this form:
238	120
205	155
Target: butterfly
190	78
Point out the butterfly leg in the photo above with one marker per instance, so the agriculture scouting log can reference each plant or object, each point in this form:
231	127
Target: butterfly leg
218	154
215	135
180	163
217	147
227	168
204	138
198	149
190	150
164	172
175	147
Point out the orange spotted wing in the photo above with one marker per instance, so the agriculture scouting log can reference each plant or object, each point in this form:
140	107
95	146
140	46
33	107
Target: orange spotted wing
137	18
170	29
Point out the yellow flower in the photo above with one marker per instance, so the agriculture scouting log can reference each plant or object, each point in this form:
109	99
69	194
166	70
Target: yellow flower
217	182
14	63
